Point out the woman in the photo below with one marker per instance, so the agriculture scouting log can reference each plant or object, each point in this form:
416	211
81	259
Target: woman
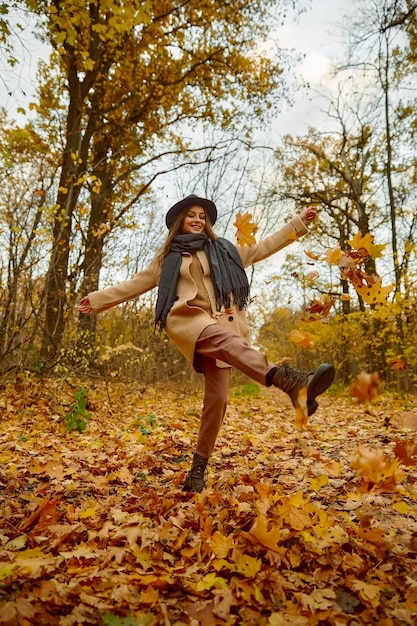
202	294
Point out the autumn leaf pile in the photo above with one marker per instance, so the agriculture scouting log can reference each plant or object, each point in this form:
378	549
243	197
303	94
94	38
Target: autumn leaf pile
300	528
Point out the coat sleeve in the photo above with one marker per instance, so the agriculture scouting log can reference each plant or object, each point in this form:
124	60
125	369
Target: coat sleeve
142	282
265	248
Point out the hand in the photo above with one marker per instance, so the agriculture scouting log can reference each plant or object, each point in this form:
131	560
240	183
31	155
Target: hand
84	305
308	214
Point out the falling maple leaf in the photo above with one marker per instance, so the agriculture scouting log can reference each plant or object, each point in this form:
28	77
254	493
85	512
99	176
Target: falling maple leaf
312	255
366	242
301	410
374	468
245	229
398	364
374	293
365	387
368	286
320	307
334	255
303	339
406	451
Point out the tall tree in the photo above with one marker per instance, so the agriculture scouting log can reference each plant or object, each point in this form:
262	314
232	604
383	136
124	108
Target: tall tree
28	173
363	172
379	51
336	172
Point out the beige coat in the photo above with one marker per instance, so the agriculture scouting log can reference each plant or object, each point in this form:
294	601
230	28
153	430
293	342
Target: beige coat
186	323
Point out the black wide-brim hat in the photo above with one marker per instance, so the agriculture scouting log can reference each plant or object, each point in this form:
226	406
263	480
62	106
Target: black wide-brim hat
192	200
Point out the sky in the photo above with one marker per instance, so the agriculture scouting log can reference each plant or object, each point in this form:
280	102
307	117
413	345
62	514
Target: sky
17	86
315	34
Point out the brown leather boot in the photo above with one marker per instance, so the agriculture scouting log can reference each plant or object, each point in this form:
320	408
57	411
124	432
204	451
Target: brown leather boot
195	481
292	382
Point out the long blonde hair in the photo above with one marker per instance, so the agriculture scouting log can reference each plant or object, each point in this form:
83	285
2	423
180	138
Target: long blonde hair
176	229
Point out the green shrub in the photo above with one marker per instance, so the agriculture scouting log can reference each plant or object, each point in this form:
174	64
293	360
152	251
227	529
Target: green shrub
78	417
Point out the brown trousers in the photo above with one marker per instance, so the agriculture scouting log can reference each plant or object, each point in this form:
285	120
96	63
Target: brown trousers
216	342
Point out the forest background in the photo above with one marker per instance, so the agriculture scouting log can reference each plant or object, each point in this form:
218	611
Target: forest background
141	103
137	104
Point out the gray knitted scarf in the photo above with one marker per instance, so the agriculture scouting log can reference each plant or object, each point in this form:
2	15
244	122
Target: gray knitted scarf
227	272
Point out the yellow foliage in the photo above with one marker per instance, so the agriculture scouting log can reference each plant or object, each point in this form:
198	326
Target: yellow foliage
210	581
90	512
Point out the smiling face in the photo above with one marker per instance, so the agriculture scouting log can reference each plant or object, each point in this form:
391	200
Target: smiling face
194	220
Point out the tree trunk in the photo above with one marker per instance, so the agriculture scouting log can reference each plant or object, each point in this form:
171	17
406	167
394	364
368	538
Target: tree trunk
98	227
56	279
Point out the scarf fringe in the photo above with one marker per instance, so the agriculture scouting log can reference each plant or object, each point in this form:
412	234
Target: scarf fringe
239	296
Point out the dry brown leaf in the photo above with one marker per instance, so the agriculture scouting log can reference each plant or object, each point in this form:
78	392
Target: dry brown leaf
116	534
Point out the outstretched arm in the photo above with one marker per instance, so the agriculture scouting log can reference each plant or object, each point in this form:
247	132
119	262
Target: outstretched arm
294	229
104	299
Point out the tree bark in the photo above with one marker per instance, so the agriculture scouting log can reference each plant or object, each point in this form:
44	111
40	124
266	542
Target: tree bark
56	279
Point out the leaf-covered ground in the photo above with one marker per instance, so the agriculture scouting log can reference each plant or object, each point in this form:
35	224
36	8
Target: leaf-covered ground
94	527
